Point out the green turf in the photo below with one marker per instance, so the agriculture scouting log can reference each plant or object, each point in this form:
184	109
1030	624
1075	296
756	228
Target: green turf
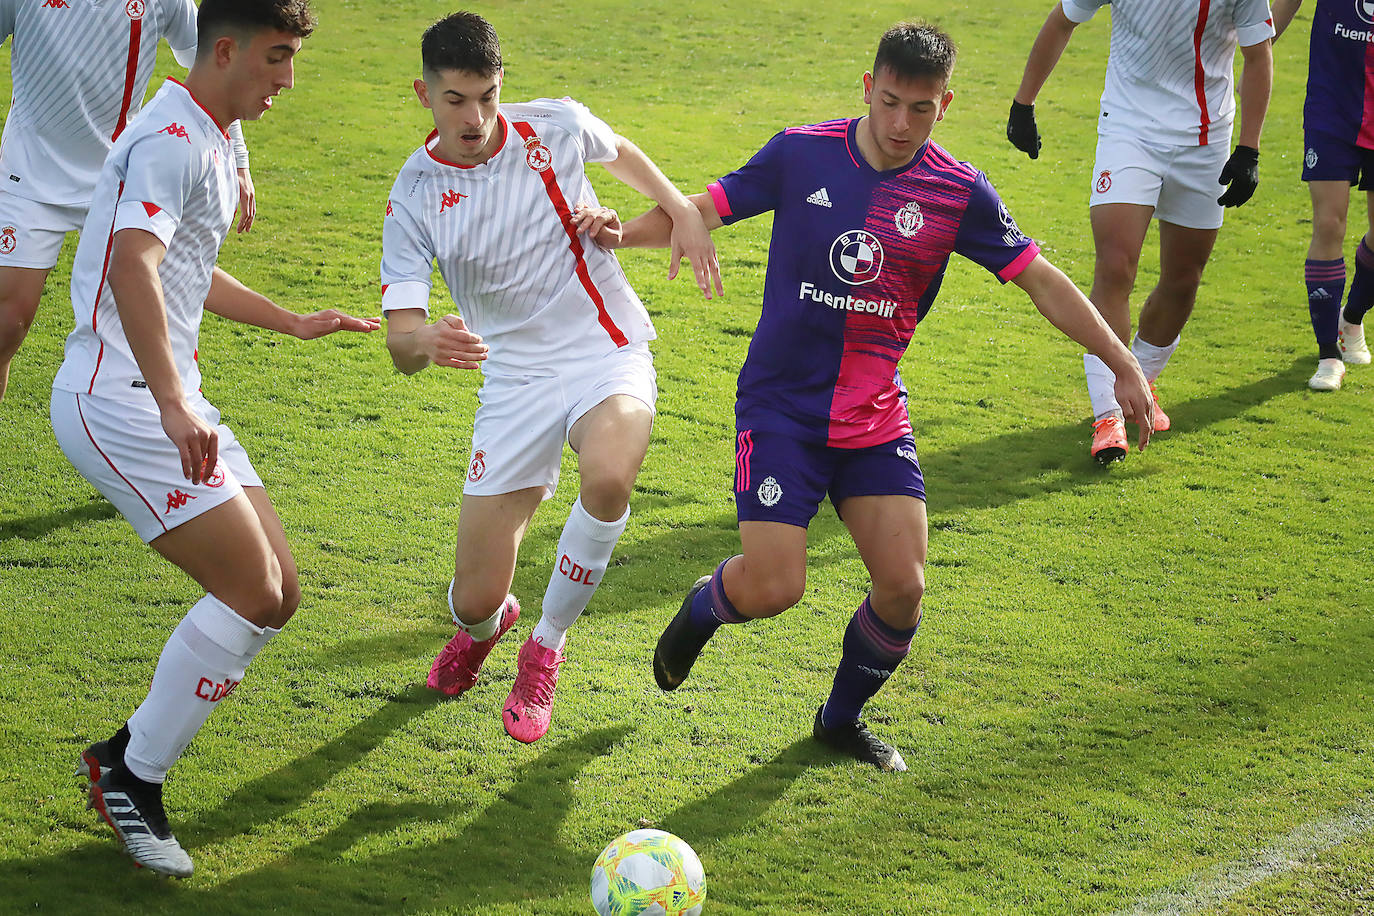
1125	680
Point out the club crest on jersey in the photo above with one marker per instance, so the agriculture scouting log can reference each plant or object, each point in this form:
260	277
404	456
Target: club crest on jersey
1311	158
537	155
1365	9
770	491
478	466
1104	182
8	240
856	257
909	219
135	9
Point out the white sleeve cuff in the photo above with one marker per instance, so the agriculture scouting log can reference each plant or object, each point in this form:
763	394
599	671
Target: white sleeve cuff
135	214
236	141
408	294
1258	33
1077	12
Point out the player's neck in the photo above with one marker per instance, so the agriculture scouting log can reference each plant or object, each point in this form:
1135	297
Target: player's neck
210	96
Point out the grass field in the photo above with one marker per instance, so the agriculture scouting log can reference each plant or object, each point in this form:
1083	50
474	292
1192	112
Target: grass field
1142	689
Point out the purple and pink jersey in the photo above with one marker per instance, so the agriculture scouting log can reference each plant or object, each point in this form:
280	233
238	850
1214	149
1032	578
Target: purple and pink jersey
856	259
1340	72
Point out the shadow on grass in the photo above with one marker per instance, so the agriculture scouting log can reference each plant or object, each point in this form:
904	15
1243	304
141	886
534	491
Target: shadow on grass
35	526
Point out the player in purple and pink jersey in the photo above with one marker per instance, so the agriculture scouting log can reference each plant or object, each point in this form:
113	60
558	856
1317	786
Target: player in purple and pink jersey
868	211
1338	134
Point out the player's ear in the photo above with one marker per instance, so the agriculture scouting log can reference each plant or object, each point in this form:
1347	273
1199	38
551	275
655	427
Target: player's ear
944	104
422	93
868	87
225	49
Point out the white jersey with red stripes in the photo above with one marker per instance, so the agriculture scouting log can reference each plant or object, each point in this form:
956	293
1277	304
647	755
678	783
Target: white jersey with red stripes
1169	74
79	70
537	293
171	174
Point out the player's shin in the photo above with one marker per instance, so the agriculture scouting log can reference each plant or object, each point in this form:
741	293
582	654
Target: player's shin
1361	285
872	651
1325	286
584	552
201	664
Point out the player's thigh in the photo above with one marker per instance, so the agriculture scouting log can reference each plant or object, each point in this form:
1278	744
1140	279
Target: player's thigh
610	417
517	436
20	290
276	536
1183	254
490	529
1330	207
891	535
1118	235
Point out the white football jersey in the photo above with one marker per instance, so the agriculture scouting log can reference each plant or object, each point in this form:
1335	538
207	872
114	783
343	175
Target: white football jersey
79	70
1169	73
172	174
537	293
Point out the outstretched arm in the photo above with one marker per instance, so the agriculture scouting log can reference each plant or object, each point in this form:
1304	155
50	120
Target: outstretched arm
653	229
1070	311
689	237
1044	54
231	299
414	344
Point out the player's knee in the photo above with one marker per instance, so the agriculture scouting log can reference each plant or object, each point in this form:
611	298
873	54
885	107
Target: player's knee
15	319
1328	229
606	495
475	601
776	593
900	597
1115	269
290	598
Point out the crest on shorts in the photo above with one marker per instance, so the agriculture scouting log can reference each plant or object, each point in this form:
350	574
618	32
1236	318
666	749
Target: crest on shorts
856	257
1311	158
537	155
1365	9
1104	182
909	219
8	240
478	466
770	491
135	9
215	478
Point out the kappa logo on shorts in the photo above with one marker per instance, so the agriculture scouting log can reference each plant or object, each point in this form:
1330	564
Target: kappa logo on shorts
856	257
478	466
910	219
176	499
537	155
1104	182
1311	158
8	240
770	491
135	9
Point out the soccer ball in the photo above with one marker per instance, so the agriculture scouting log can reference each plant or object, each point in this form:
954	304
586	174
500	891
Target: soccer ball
648	873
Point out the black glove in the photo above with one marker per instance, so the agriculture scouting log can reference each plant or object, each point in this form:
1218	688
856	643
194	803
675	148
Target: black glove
1241	173
1021	129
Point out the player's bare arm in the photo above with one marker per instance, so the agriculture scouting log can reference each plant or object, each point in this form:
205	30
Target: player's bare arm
689	236
1283	12
1065	306
414	343
1240	175
1044	55
137	289
230	299
654	228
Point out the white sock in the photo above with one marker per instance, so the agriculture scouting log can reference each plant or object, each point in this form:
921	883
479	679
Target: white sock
483	629
1152	359
1101	386
203	661
584	551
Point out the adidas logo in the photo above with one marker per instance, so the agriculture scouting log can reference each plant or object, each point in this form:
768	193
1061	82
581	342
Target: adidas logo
1319	294
821	198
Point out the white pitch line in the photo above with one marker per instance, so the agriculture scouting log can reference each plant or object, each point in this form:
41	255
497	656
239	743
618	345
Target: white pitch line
1210	887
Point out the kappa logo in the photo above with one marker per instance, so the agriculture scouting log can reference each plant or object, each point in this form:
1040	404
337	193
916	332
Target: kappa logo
820	198
1311	158
56	4
176	499
389	211
451	198
175	130
1104	182
478	466
909	219
8	240
135	9
856	257
770	491
537	155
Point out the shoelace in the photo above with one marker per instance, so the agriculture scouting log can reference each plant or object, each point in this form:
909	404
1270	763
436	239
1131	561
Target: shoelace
538	681
1098	424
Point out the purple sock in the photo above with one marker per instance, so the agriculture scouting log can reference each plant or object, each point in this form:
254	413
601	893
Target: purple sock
1325	286
872	651
711	607
1362	284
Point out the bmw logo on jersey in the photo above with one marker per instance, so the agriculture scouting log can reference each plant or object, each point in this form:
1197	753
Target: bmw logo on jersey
856	257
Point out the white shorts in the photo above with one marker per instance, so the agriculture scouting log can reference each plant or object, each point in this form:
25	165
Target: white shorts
31	233
119	446
1180	182
522	422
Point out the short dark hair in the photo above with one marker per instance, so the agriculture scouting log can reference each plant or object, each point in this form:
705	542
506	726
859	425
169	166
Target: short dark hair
916	49
461	41
247	17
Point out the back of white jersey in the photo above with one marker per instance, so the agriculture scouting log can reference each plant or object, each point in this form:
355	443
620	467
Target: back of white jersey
79	70
1169	74
170	174
539	294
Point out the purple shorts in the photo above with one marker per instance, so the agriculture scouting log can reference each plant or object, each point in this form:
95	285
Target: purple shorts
1330	158
781	479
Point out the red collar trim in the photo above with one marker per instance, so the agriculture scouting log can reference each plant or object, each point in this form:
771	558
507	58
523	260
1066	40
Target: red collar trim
212	118
505	135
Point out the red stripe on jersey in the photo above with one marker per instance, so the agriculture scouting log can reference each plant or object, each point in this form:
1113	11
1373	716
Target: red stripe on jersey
574	243
102	454
99	288
1198	75
130	75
